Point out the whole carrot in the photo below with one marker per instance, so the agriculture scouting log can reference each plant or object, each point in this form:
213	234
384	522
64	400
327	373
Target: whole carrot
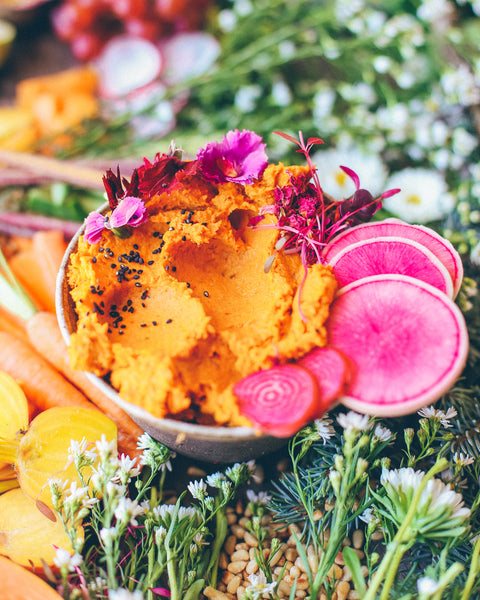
42	384
44	334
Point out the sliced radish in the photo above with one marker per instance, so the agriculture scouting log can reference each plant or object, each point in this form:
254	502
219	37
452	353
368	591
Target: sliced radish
126	64
332	369
280	400
441	247
407	340
188	54
383	255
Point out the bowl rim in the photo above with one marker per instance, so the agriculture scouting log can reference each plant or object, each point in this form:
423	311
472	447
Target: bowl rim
170	426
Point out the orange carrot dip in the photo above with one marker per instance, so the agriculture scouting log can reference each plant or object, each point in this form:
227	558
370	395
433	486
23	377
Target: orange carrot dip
180	311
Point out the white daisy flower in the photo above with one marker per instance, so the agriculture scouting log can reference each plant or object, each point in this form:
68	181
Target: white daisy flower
463	459
259	586
426	586
127	510
64	559
198	489
337	183
423	196
383	433
430	412
261	497
353	421
324	429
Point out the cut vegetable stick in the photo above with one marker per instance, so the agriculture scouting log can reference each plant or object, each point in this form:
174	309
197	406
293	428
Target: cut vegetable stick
27	269
43	385
45	336
12	324
49	248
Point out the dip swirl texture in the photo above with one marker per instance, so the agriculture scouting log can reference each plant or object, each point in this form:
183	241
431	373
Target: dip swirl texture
174	315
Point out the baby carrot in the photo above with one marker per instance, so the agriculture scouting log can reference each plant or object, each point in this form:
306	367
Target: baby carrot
28	271
43	385
44	334
12	324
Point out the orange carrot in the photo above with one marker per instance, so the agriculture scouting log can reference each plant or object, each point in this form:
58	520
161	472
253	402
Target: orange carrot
27	269
36	268
44	334
50	248
12	324
42	384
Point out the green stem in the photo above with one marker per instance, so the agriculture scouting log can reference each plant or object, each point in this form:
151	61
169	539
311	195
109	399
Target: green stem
473	572
402	537
398	550
172	575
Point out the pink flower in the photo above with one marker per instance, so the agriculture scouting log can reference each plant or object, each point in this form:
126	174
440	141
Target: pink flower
240	157
130	212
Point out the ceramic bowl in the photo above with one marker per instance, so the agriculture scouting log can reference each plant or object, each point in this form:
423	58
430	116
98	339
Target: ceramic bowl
204	443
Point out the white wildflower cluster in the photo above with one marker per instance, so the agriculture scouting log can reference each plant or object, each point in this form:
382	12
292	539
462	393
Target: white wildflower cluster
440	511
430	412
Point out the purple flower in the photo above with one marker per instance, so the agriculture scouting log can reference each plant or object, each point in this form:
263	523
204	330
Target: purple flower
240	157
130	212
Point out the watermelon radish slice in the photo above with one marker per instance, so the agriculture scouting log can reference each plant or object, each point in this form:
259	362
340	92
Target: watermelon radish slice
408	341
333	370
279	401
390	255
441	247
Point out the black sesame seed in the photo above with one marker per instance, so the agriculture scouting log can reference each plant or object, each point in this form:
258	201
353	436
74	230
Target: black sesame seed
184	238
174	269
188	285
168	321
129	302
206	294
135	246
143	325
138	284
167	267
156	233
144	294
113	266
150	262
94	259
154	323
97	309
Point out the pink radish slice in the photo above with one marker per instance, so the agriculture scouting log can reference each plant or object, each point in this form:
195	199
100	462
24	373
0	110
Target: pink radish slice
280	400
408	341
332	369
390	255
441	247
126	64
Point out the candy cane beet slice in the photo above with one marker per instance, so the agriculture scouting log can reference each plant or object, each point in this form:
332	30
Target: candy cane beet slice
442	248
333	370
390	255
407	340
280	400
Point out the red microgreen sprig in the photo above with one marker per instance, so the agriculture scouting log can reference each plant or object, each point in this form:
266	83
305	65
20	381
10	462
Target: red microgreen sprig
307	218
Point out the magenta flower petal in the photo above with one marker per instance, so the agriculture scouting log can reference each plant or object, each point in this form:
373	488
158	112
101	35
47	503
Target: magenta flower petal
240	157
130	211
94	226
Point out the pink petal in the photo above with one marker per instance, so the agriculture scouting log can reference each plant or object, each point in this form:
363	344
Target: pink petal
94	226
130	211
